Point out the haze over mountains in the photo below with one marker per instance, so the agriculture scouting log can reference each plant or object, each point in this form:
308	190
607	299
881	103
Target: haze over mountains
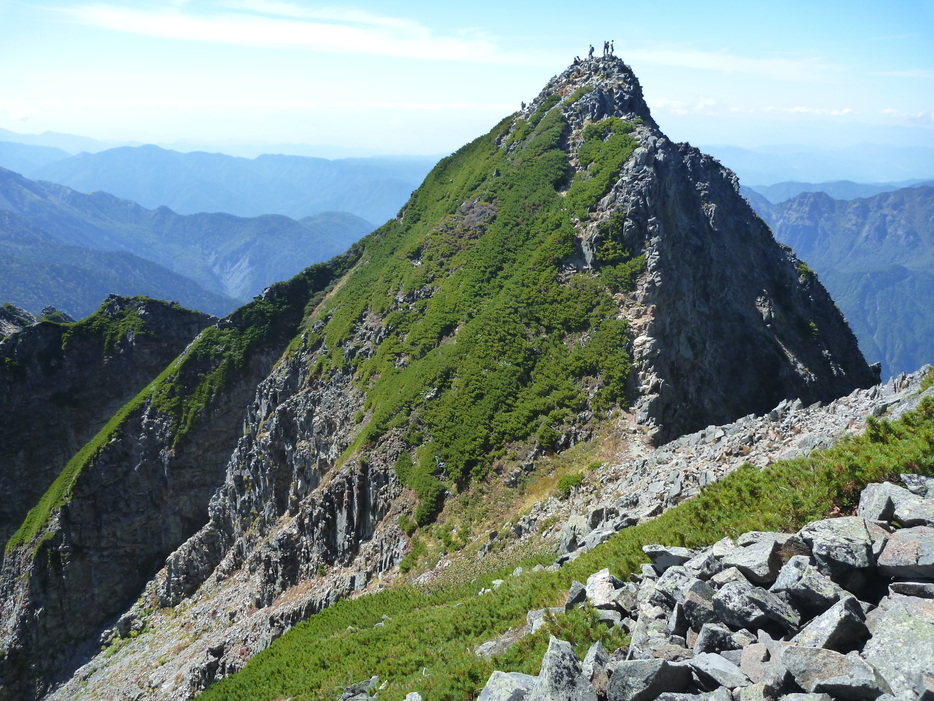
876	257
228	256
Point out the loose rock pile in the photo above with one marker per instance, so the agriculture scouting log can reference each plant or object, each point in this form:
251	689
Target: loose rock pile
842	609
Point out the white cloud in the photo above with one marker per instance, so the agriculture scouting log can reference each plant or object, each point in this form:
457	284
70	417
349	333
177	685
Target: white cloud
276	23
804	68
22	114
919	118
820	111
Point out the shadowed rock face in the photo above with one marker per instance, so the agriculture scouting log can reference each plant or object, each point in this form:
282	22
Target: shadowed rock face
58	393
726	321
281	519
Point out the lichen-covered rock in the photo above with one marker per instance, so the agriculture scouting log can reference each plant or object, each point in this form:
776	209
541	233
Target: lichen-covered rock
560	678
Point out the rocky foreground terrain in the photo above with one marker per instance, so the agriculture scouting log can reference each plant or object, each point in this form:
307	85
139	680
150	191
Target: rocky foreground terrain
841	609
638	484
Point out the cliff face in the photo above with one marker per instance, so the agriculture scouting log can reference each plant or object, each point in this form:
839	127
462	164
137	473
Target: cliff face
726	322
571	260
62	383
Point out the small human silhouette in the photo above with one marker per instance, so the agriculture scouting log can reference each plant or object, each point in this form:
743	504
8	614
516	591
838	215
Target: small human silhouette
611	47
590	53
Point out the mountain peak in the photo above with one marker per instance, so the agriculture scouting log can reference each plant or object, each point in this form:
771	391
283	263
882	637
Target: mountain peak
601	87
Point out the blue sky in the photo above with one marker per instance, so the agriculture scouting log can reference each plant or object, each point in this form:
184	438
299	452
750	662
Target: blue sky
426	77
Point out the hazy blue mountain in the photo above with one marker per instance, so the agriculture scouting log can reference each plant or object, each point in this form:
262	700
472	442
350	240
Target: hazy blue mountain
228	255
838	189
868	163
295	186
37	271
70	143
23	157
876	257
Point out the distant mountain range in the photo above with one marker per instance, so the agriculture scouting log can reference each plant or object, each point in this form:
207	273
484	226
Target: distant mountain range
36	270
227	256
876	257
838	189
868	163
190	183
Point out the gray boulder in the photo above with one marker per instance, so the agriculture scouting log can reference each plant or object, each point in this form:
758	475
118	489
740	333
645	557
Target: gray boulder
561	678
601	589
673	582
759	561
842	627
594	667
842	549
901	648
847	677
713	670
716	637
741	605
641	680
909	553
663	557
807	588
507	686
360	691
577	595
878	500
914	512
698	604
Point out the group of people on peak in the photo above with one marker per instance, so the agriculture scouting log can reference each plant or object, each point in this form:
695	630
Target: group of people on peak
607	51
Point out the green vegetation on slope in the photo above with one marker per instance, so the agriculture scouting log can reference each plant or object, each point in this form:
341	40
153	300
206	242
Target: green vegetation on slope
491	338
426	643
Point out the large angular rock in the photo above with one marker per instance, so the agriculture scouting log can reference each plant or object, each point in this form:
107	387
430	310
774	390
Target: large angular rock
594	667
909	553
741	605
842	549
808	589
901	648
601	589
698	604
714	670
914	512
878	500
759	561
847	677
663	557
641	680
561	678
842	627
507	686
577	595
673	582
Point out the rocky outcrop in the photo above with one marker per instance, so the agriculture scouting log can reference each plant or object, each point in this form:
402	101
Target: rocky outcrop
726	321
62	383
140	492
830	611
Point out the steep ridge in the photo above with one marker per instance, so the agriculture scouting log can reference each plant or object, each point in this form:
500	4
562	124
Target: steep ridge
137	490
62	382
570	261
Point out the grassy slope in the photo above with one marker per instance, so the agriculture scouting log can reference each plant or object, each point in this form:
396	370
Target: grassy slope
425	646
489	340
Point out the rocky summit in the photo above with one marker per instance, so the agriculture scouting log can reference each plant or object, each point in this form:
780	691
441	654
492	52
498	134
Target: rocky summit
571	274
